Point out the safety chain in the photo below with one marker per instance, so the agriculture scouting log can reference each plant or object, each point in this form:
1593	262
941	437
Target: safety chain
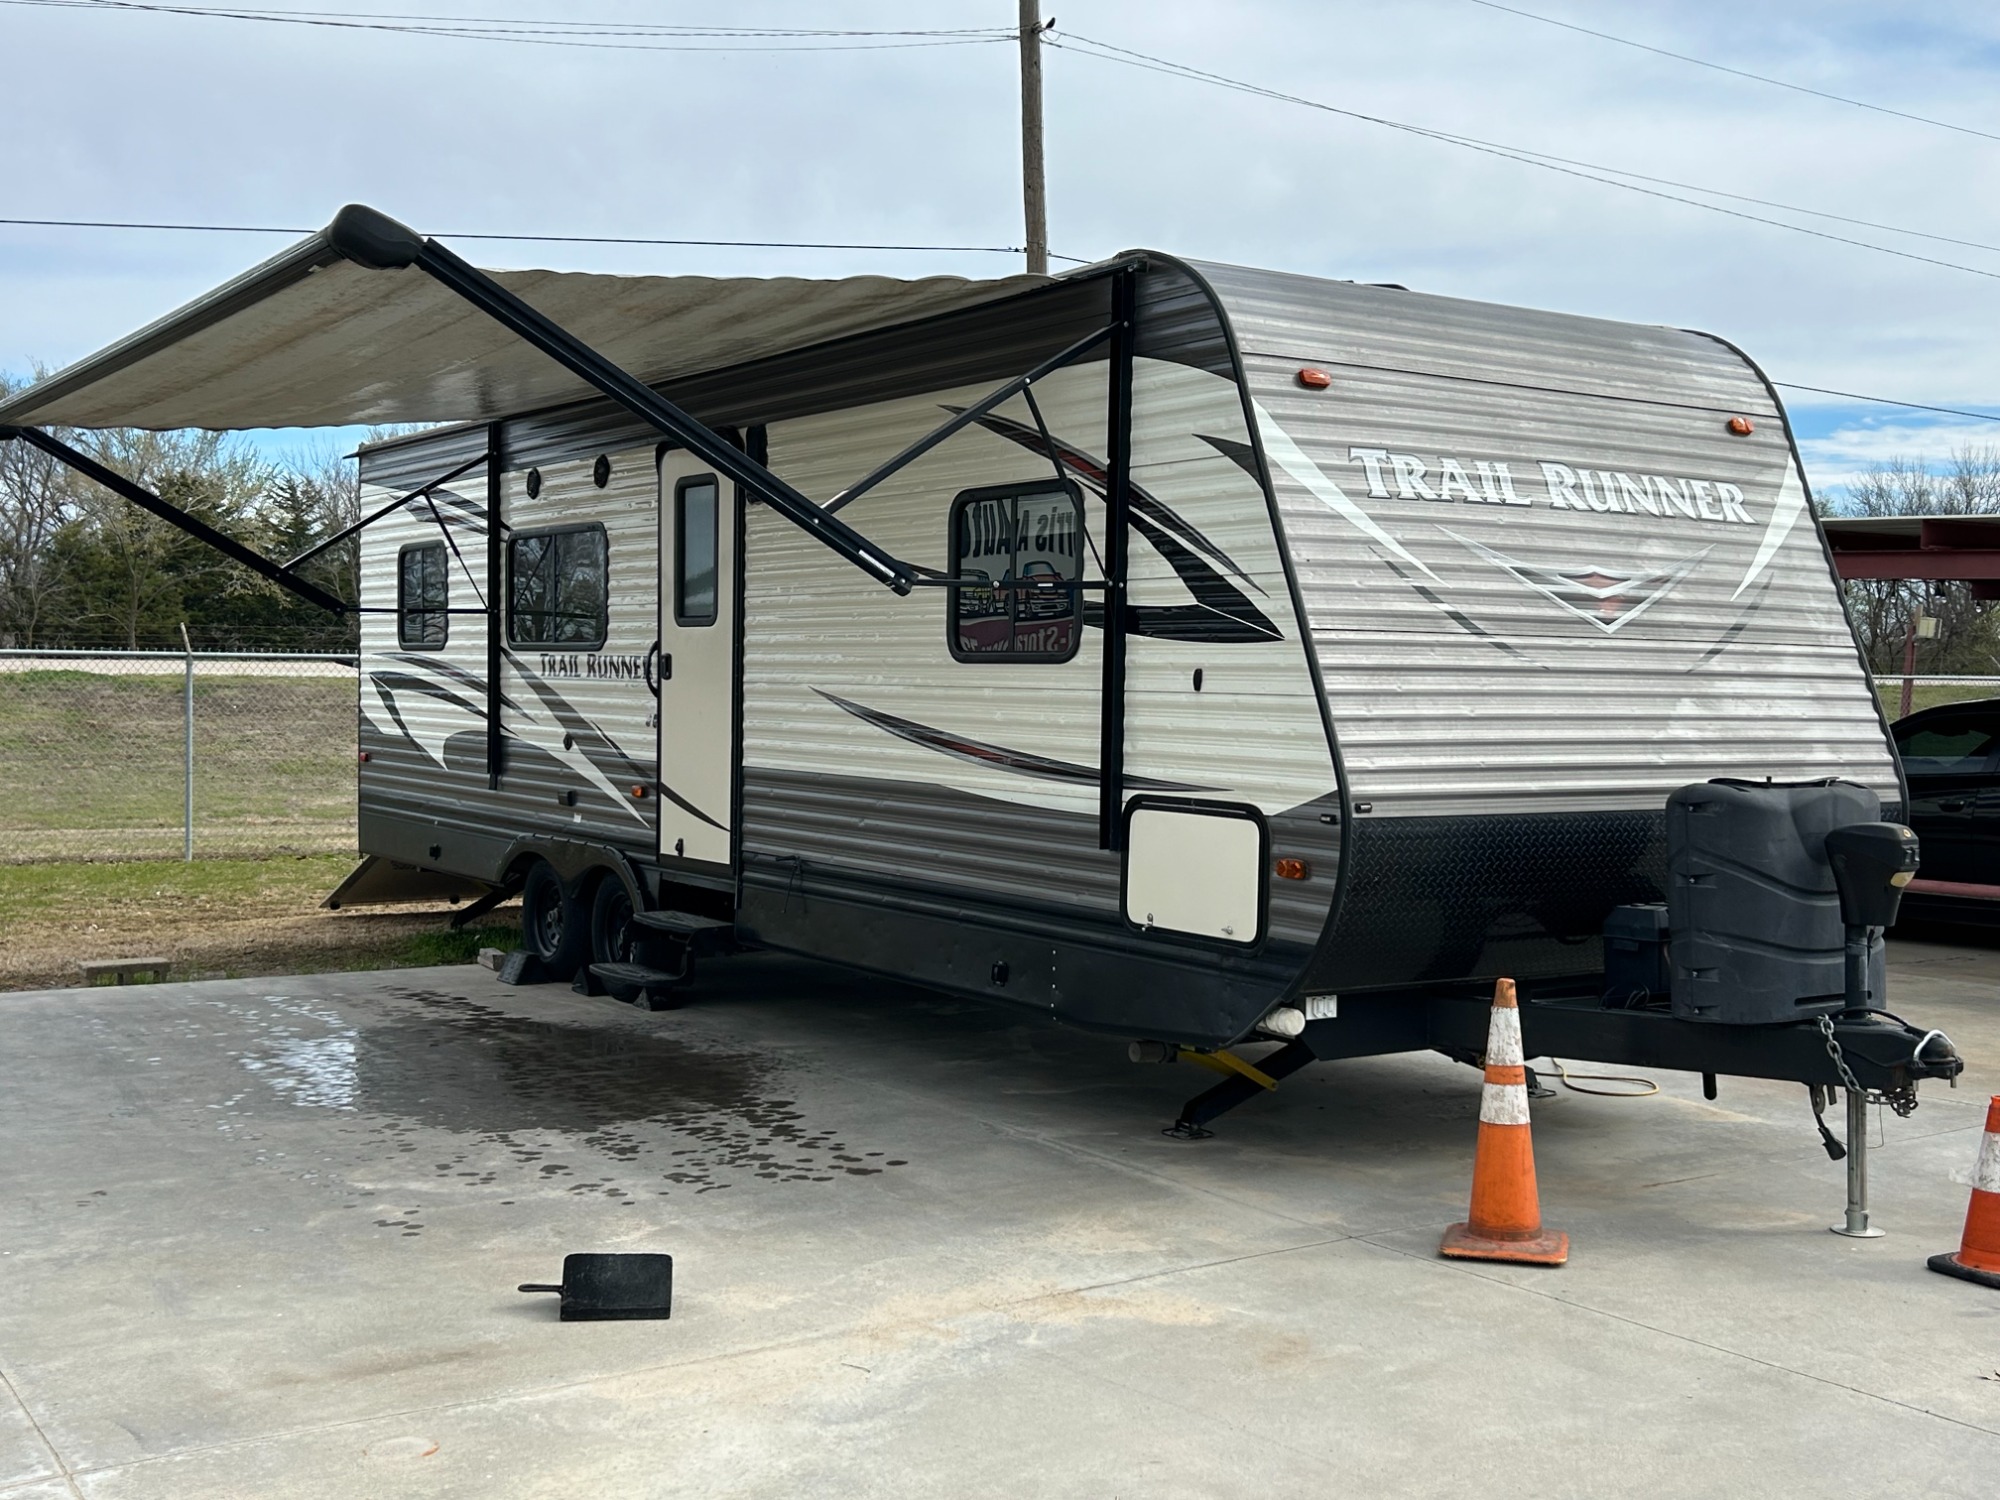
1902	1099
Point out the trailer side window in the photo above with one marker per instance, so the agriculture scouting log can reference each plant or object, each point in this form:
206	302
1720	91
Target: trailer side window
558	584
423	597
696	517
1023	542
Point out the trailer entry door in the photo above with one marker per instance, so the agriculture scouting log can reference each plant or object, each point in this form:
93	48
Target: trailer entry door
699	541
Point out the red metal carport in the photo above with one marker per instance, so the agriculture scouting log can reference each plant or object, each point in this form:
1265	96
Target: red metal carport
1938	549
1929	549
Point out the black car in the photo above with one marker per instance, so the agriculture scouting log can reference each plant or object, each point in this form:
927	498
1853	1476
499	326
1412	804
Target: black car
1951	755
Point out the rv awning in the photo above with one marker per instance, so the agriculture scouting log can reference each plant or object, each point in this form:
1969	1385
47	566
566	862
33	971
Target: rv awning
310	339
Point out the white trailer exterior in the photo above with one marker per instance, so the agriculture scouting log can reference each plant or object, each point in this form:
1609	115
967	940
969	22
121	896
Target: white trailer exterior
1282	639
1512	579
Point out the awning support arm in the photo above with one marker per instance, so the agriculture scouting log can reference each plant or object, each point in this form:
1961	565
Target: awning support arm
393	506
1048	441
972	414
377	242
452	542
174	516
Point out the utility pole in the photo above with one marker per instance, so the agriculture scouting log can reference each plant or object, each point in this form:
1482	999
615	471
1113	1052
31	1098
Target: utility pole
1034	189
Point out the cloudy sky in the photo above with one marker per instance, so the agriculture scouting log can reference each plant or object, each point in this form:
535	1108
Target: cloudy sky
125	112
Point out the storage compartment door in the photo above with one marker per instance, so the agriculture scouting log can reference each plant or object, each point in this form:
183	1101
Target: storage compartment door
1196	869
698	624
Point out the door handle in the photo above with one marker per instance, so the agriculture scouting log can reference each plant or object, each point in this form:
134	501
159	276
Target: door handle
1954	804
652	682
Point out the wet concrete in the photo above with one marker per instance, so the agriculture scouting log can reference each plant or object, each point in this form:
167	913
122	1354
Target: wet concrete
261	1238
640	1111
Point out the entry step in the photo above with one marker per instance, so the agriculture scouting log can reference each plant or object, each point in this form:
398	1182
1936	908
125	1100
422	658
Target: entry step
680	923
695	934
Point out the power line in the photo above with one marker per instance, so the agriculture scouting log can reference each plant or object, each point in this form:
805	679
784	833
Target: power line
1106	52
1949	411
559	239
563	33
1702	62
1790	208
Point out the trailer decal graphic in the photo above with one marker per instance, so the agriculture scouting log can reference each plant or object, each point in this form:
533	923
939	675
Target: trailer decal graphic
1728	637
1790	506
1458	617
388	684
1294	461
459	502
453	671
1221	615
981	753
603	757
1608	598
596	665
1095	473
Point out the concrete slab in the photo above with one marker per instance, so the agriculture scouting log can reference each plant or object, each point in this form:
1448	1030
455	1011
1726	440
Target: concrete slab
261	1237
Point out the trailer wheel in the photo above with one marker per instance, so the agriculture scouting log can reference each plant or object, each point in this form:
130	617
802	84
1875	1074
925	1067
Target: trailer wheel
553	927
611	923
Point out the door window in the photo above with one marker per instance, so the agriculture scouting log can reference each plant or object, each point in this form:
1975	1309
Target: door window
696	519
1023	543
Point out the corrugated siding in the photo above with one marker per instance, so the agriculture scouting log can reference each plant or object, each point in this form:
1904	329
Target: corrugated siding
1457	683
433	767
423	711
816	627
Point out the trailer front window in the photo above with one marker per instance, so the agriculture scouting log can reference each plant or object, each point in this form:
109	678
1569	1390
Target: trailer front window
1023	543
423	598
558	584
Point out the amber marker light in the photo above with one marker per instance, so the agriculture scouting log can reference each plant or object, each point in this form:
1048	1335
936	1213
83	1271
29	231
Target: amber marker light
1742	426
1314	380
638	791
1292	869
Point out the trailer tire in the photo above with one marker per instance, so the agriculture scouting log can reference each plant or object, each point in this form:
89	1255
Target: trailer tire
611	926
553	925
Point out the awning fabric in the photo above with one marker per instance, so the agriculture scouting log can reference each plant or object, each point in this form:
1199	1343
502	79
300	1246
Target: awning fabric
309	339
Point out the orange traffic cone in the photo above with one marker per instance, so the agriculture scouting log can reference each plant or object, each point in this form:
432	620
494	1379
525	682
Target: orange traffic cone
1506	1218
1978	1257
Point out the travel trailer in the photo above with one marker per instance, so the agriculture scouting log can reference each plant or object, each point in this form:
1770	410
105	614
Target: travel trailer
1186	652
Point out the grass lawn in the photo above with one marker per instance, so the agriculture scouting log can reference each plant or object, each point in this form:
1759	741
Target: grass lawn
93	764
1930	694
216	917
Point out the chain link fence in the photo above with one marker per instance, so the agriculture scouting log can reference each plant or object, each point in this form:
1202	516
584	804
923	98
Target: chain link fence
101	759
119	755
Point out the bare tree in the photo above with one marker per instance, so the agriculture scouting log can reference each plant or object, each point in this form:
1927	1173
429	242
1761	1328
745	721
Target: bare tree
1968	633
80	566
37	499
